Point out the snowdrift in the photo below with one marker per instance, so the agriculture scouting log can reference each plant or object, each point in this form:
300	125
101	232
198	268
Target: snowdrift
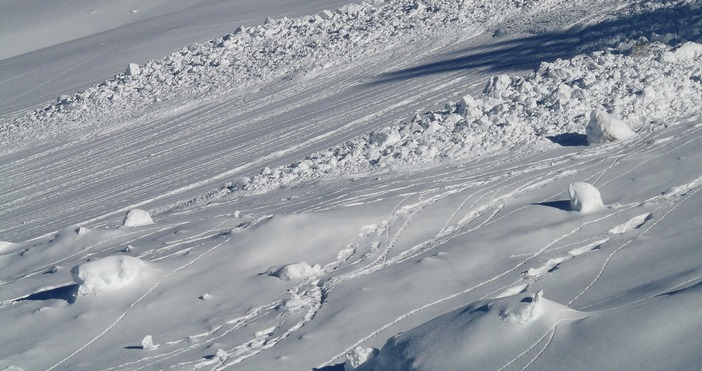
487	334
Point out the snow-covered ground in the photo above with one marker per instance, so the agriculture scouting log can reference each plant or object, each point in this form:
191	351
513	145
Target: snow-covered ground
390	185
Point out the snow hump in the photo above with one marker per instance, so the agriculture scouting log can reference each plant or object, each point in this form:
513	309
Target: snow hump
604	127
584	197
108	273
137	218
473	337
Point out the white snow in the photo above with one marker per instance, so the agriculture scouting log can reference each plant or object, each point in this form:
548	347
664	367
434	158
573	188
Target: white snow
137	218
584	197
398	165
107	274
604	127
295	272
148	343
475	336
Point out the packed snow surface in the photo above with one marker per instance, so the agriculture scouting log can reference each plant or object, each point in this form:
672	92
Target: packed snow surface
424	180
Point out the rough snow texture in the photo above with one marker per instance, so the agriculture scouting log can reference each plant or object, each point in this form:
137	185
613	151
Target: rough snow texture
137	218
604	127
295	272
360	359
285	48
107	274
561	97
584	197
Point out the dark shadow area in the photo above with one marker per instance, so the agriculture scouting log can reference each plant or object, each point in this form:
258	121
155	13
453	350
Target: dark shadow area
561	205
694	289
526	53
336	367
569	139
134	347
60	293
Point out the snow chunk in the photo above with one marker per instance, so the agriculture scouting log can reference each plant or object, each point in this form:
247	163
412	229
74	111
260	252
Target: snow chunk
133	69
137	218
148	343
584	197
686	52
295	272
107	273
359	357
604	127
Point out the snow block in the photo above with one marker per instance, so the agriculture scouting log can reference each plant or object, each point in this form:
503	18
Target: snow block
604	127
295	272
584	197
133	69
107	274
326	14
137	218
359	359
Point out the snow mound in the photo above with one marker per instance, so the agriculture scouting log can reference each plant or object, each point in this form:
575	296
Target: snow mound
108	273
584	197
487	334
295	272
604	127
137	218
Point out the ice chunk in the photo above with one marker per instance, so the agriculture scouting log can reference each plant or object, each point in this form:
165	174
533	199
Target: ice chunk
584	197
604	127
137	218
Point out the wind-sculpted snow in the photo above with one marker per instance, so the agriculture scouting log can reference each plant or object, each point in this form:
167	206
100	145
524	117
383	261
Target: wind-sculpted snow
530	113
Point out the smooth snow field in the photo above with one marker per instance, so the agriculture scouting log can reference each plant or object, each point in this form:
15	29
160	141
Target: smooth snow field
328	185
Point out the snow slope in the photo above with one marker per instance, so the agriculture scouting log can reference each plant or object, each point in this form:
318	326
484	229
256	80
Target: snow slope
393	175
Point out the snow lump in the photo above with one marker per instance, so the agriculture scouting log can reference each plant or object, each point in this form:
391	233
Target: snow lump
295	272
584	197
604	127
137	218
108	273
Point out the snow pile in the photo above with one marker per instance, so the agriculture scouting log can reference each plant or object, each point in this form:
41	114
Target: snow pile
280	48
604	127
484	335
584	197
137	218
108	273
514	113
295	272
